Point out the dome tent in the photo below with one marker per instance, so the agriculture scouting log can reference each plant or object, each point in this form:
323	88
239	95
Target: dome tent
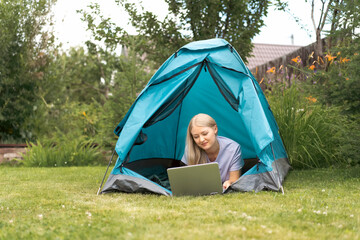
209	77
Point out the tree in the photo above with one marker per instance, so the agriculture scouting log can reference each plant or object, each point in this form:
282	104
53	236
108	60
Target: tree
325	6
107	39
345	21
80	75
119	78
339	84
187	20
343	18
24	48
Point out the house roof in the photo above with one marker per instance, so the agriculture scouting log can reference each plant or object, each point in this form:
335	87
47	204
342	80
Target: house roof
263	53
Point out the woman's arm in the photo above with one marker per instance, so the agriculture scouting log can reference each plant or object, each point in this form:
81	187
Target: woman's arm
234	175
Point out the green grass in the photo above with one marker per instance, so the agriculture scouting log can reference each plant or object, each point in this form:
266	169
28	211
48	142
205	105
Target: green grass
61	203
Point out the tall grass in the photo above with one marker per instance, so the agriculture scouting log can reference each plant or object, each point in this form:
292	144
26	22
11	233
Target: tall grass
312	134
65	152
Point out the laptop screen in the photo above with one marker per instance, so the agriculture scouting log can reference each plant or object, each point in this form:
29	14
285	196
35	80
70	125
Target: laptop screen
195	180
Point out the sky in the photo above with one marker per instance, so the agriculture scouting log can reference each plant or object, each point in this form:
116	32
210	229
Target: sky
278	29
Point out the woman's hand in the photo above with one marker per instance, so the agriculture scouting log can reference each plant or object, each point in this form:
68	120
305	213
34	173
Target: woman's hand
226	184
234	175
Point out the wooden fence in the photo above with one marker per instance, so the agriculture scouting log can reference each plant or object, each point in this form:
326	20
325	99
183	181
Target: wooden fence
284	66
11	151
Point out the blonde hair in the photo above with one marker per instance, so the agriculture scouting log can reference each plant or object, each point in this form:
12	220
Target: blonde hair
194	154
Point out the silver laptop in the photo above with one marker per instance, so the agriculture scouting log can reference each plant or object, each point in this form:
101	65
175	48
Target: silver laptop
195	180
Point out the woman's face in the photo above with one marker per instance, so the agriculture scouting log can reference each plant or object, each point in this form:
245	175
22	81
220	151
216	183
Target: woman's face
204	137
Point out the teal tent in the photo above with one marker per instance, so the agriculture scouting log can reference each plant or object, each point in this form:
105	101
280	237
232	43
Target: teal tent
202	77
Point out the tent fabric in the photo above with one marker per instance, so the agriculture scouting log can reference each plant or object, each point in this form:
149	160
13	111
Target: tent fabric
208	77
267	180
131	182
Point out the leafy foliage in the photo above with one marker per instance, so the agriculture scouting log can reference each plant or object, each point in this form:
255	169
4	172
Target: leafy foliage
24	48
123	77
313	135
66	152
80	110
344	20
79	77
189	20
337	81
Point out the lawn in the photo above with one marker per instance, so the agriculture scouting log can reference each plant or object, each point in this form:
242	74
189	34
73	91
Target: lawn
61	203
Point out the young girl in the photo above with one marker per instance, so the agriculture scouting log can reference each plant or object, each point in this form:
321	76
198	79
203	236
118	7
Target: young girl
203	145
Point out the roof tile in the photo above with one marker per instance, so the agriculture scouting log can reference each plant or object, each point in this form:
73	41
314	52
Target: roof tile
263	53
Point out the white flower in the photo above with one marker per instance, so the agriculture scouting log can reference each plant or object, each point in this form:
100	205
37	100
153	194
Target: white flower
244	229
325	213
40	216
299	210
65	162
352	215
88	214
63	206
269	231
323	190
244	215
11	221
55	165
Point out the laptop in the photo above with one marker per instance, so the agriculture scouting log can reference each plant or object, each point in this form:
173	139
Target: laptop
195	180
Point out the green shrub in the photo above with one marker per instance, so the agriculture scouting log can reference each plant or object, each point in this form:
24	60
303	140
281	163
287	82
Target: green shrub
66	152
313	135
69	118
349	149
336	79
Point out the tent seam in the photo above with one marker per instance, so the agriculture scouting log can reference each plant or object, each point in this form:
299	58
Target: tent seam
220	89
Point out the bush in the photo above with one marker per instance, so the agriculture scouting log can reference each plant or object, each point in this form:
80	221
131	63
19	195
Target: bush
339	83
66	152
313	135
349	149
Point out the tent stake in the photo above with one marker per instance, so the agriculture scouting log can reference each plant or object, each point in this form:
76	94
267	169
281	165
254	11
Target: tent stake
106	172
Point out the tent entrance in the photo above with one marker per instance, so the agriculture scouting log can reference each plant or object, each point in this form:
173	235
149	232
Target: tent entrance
155	169
166	128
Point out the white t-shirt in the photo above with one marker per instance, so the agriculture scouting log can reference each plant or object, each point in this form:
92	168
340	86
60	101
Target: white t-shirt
229	157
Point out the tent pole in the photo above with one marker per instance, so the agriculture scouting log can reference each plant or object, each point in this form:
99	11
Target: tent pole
106	172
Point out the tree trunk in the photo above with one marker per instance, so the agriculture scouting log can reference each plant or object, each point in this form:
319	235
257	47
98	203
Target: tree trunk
319	43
